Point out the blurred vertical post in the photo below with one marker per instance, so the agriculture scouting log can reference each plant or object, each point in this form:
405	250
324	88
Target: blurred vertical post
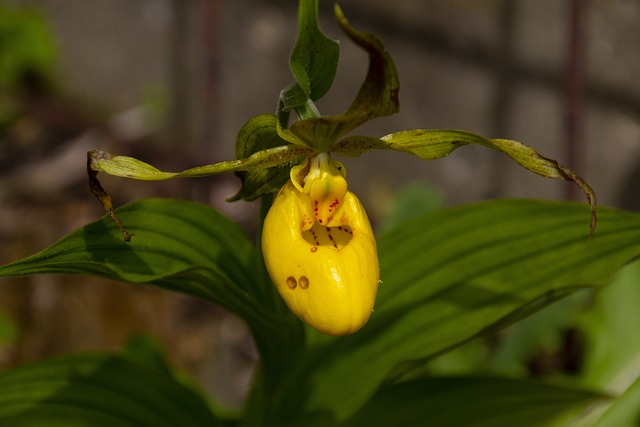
179	117
211	60
195	93
503	94
575	91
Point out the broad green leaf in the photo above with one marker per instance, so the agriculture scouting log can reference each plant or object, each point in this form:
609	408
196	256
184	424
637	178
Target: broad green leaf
98	390
184	247
171	238
612	359
456	274
147	351
624	411
434	144
129	167
468	359
543	332
258	134
472	402
313	62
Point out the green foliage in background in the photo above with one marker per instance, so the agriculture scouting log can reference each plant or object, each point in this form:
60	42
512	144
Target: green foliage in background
449	278
27	56
8	329
26	46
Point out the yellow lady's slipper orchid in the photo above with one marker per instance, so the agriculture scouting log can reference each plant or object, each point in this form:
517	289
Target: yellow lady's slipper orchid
319	248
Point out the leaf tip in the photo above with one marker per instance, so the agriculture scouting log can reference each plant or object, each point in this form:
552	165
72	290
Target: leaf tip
570	175
103	197
338	13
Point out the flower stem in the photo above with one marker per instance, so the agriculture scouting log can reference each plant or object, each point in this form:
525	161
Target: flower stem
308	110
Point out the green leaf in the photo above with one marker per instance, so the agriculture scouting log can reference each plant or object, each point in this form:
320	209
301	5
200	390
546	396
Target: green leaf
313	62
258	134
434	144
147	351
624	411
454	275
377	97
471	402
172	238
612	335
184	247
544	332
97	390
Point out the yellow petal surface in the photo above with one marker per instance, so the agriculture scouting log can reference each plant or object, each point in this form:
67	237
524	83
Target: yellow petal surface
326	273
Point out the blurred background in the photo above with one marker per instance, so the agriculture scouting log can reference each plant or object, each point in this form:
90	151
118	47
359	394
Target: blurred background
172	81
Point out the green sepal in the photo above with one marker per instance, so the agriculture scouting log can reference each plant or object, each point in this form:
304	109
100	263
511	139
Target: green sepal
377	97
313	62
129	167
260	133
379	94
263	148
314	58
434	144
